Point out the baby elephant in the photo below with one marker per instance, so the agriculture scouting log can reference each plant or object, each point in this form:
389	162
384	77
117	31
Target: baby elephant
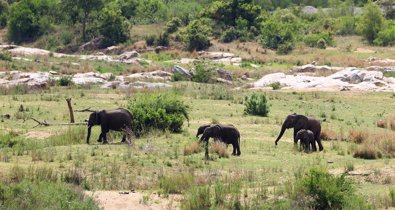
306	139
203	127
225	133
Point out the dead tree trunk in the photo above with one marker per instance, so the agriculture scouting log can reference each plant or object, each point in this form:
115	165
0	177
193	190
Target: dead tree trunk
70	110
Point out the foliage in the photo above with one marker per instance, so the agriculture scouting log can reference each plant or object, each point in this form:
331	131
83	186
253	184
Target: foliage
113	27
151	11
3	13
177	183
28	20
5	56
157	111
65	81
346	25
321	190
202	73
163	40
173	25
197	198
185	10
150	40
229	35
196	35
371	22
128	8
256	104
386	37
42	195
320	40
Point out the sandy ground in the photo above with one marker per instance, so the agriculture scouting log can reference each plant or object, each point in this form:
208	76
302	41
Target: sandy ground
37	135
116	200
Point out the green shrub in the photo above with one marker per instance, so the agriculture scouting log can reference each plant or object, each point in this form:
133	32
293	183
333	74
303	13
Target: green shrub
163	40
256	104
157	111
5	56
3	13
320	40
173	24
321	190
202	73
346	25
196	35
151	11
386	37
150	40
43	195
275	85
229	35
371	22
392	196
113	27
278	35
65	81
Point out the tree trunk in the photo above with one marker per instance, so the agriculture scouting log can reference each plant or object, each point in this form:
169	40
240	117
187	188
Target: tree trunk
70	110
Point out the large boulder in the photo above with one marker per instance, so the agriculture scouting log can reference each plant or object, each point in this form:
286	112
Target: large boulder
224	74
128	55
312	68
155	75
92	45
183	71
88	78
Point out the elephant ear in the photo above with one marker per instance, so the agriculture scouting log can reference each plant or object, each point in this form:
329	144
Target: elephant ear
301	121
216	130
99	116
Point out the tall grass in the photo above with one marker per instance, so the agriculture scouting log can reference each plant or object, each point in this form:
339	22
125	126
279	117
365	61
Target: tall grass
177	183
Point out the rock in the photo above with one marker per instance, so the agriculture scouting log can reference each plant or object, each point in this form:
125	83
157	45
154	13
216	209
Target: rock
220	80
183	71
309	10
312	68
92	45
186	60
128	55
112	49
158	49
224	74
245	77
87	78
217	55
107	76
155	75
53	72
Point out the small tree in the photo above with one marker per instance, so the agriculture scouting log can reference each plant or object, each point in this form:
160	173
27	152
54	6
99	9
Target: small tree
371	22
3	13
113	27
256	104
196	34
202	74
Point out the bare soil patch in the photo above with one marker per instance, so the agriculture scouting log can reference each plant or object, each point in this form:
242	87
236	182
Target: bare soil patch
38	135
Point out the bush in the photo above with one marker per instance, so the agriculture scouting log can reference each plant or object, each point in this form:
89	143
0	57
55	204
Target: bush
386	37
371	22
113	27
229	35
196	35
163	40
65	81
256	104
157	111
346	25
278	35
220	149
43	194
321	190
173	24
320	40
150	40
192	148
151	11
5	56
202	73
3	13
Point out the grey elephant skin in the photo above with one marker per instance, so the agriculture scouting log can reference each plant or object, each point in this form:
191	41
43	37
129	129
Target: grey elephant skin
298	122
203	127
306	140
116	120
226	133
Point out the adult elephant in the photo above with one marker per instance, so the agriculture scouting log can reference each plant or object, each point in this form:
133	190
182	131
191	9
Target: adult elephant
226	133
299	122
116	120
306	140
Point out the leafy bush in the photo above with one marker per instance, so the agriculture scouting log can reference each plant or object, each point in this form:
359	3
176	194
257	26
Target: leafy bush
386	37
202	73
5	56
151	11
229	35
196	35
320	40
150	40
185	10
42	195
65	81
173	24
371	22
157	111
278	35
163	40
256	104
346	25
113	27
3	13
320	190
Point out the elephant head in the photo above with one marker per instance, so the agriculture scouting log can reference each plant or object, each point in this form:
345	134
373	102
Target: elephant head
201	129
94	119
304	137
292	121
213	131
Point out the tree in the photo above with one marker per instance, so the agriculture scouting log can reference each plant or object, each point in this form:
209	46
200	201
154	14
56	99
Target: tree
84	8
371	22
195	35
22	22
3	13
113	27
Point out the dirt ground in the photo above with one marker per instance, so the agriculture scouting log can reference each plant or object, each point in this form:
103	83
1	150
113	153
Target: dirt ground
119	200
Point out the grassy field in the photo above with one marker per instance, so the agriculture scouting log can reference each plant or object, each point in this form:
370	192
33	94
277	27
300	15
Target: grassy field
263	173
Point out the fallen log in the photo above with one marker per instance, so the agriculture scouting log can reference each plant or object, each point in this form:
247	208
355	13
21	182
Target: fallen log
45	123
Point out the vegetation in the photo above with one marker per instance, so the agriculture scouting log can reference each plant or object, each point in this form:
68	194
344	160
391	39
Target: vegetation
256	104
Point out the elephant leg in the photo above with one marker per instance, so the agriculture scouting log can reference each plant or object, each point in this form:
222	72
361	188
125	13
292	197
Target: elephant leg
206	150
320	145
104	135
313	146
238	150
234	149
123	138
100	138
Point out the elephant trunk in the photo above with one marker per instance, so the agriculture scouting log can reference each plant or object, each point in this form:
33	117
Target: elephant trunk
89	134
281	134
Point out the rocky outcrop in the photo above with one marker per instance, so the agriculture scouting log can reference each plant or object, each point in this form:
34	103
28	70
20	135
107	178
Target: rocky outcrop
33	80
155	75
314	68
221	57
348	79
380	61
182	71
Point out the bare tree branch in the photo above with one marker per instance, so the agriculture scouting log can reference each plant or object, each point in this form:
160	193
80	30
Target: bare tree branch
45	123
85	110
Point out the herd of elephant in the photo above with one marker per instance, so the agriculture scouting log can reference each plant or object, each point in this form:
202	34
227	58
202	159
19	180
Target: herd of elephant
306	129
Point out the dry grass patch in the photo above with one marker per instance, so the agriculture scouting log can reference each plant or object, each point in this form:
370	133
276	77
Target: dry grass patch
358	136
192	148
328	135
220	149
377	146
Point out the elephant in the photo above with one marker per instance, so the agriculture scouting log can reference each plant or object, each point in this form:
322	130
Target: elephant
306	139
299	122
226	133
203	127
117	120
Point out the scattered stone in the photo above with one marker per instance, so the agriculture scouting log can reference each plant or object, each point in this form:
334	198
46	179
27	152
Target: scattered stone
155	75
224	74
128	55
312	68
91	45
183	71
87	78
220	80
